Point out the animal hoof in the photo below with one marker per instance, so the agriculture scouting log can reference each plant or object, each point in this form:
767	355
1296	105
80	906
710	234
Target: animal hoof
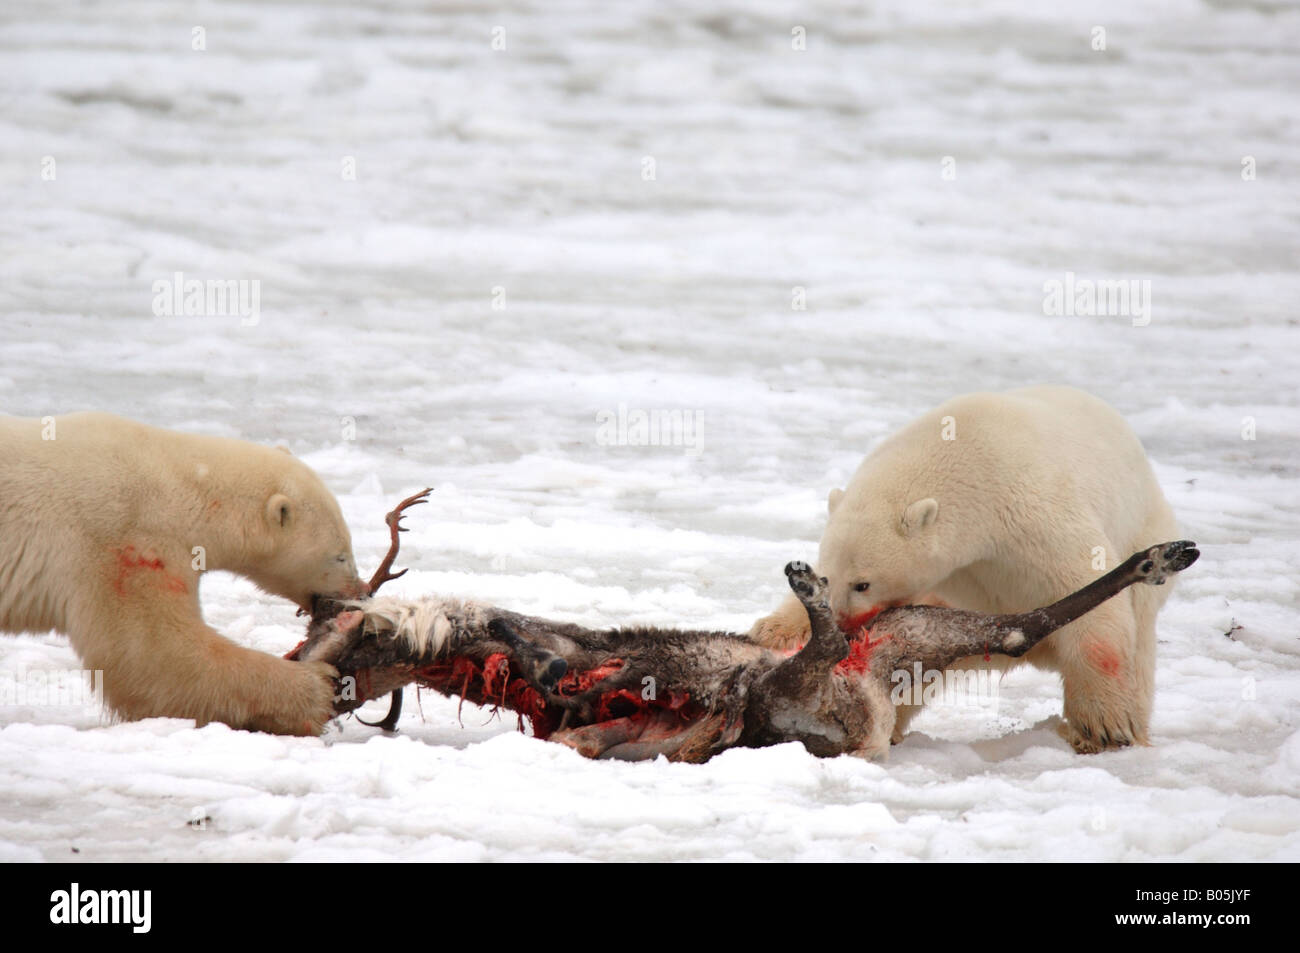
805	583
1167	558
1178	556
800	577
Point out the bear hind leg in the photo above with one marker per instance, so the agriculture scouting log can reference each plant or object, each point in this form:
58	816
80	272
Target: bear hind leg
1108	682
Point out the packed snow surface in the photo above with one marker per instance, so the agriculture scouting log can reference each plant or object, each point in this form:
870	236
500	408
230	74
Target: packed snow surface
488	236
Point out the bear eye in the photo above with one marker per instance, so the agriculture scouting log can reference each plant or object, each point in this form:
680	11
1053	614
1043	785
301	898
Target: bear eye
861	586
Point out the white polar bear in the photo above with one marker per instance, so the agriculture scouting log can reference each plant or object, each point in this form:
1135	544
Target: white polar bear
105	527
1000	502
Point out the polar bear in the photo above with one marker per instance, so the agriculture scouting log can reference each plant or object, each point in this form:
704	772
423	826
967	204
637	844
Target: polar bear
1000	502
105	528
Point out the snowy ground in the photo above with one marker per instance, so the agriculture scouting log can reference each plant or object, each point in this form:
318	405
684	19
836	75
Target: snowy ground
518	177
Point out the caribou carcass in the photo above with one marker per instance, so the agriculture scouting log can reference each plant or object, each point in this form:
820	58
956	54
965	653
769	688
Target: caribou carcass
637	693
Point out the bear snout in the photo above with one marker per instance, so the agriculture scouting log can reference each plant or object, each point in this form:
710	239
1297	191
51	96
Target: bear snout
356	589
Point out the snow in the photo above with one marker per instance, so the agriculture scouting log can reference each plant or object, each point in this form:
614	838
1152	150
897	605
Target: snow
515	177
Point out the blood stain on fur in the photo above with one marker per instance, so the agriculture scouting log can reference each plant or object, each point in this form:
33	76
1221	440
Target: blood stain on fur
861	645
498	685
1103	657
855	624
860	650
131	562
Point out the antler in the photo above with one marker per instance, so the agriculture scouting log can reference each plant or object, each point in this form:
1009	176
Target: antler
394	521
381	576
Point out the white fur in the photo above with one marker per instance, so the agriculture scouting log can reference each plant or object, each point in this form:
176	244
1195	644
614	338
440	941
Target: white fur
423	624
106	526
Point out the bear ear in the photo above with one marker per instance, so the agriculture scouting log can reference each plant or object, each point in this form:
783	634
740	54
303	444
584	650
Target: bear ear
920	515
279	511
833	500
283	449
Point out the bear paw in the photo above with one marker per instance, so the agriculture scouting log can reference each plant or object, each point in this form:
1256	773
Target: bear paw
1092	741
305	702
780	634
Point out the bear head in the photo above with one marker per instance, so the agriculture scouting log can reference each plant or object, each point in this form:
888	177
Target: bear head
304	547
879	551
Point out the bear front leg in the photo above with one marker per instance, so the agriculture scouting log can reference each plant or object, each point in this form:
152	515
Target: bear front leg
292	698
192	671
